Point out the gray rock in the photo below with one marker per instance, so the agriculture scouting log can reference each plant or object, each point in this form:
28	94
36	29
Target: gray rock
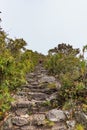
68	113
21	93
37	95
7	123
71	124
38	119
24	104
21	111
56	115
60	126
21	103
20	121
81	118
28	128
52	96
47	79
34	83
30	80
56	127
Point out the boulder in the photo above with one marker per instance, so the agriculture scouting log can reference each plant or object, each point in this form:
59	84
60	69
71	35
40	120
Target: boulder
20	121
81	118
71	124
56	115
38	119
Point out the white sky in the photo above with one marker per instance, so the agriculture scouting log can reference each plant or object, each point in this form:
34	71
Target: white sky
46	23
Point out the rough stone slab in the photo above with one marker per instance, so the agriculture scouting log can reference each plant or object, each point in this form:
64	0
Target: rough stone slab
59	127
20	121
21	111
21	93
34	83
28	128
56	115
24	104
71	124
38	119
37	95
47	79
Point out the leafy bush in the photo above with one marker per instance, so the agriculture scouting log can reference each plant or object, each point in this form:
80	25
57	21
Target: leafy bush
5	99
66	63
15	62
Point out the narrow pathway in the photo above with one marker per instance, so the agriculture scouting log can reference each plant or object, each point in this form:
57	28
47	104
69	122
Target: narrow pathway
35	105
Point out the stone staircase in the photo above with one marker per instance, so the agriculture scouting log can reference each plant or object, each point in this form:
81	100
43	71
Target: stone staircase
35	104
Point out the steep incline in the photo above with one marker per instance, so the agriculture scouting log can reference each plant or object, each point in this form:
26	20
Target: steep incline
35	105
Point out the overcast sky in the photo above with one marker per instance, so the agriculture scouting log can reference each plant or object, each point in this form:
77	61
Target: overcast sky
46	23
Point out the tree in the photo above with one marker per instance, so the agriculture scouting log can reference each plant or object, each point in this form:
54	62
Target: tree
64	49
16	46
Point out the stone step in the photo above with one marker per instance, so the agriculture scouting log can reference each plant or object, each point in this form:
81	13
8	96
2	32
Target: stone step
41	71
32	106
26	104
55	127
33	95
33	89
35	103
33	122
31	75
21	104
39	86
37	96
34	83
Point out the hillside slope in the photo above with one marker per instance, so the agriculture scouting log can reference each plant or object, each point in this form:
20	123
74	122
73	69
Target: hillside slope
36	105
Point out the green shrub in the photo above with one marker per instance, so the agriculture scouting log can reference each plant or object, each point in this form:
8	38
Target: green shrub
70	69
15	62
5	100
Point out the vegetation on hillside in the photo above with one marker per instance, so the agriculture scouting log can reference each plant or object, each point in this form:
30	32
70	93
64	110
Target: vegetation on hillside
66	63
70	67
15	62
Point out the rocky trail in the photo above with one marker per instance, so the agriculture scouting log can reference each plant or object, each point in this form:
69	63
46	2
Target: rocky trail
35	105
